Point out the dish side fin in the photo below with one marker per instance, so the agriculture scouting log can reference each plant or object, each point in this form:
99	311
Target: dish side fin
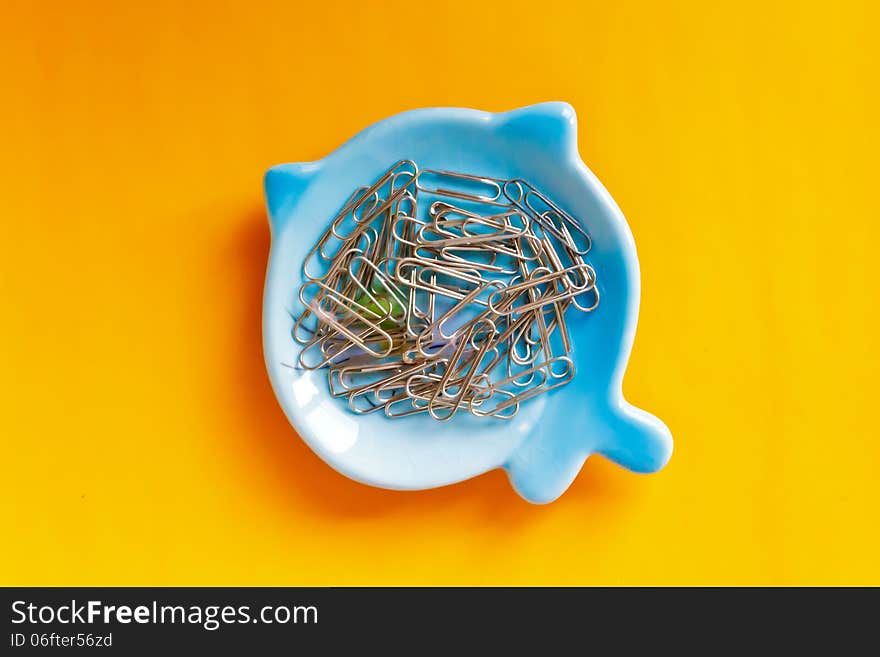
635	439
284	184
542	470
552	125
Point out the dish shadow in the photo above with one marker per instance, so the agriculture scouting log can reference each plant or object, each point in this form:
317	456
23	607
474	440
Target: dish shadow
301	479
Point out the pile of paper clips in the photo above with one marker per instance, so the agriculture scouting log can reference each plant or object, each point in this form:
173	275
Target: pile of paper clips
437	292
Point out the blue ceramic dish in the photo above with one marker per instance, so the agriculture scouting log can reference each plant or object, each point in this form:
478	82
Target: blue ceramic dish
545	445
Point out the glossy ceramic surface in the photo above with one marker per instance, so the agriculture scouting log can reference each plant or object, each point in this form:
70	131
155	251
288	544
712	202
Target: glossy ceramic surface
545	445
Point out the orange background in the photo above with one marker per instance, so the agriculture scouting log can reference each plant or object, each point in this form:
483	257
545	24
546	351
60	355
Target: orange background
142	441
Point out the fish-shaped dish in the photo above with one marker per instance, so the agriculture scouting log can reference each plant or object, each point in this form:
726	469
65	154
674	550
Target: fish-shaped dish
403	174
